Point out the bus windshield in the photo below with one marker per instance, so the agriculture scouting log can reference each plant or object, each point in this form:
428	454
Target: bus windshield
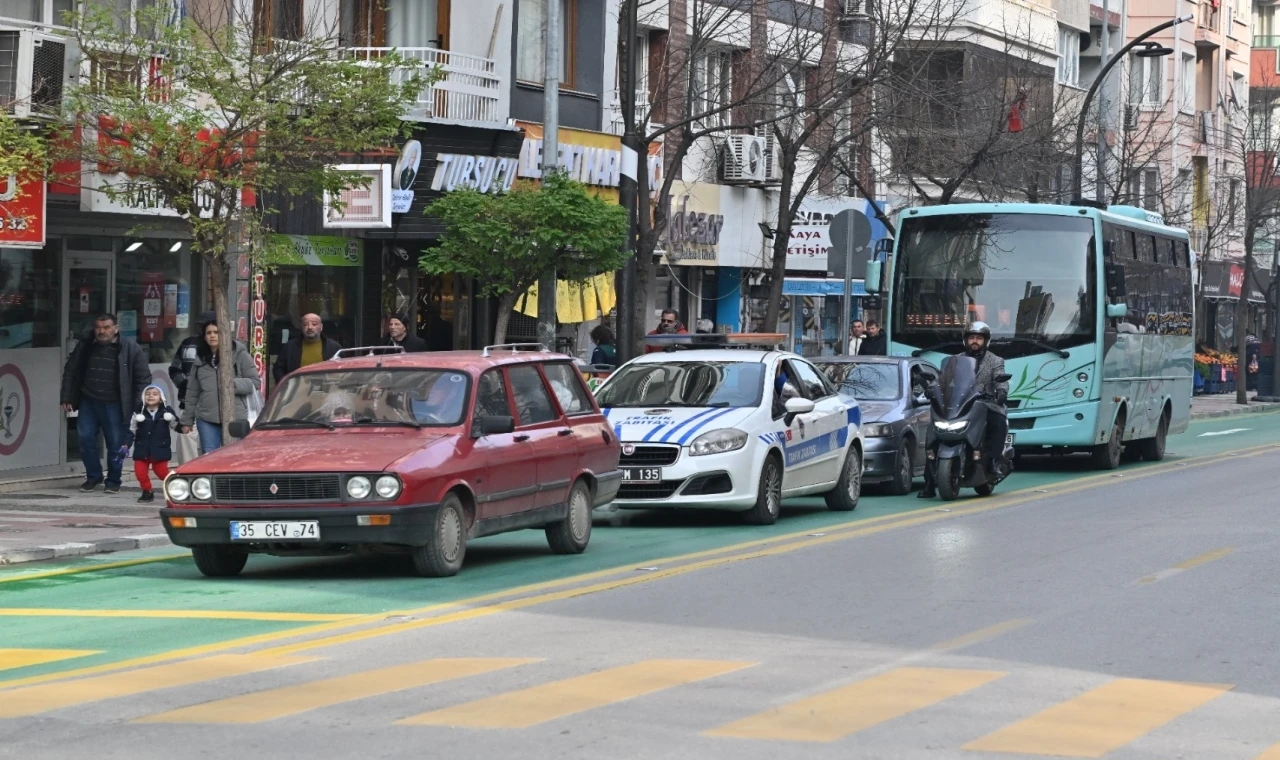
1029	276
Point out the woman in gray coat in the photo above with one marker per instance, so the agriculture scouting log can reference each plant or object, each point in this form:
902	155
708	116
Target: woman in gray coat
202	408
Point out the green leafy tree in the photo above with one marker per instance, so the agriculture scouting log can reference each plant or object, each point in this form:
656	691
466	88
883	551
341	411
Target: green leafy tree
507	241
191	113
22	155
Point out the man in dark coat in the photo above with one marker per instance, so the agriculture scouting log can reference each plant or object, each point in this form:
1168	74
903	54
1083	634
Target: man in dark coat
398	335
874	344
103	380
311	347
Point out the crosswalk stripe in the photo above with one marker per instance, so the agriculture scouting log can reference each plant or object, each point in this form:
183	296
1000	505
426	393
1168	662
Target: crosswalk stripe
270	704
839	712
1101	720
539	704
21	658
33	700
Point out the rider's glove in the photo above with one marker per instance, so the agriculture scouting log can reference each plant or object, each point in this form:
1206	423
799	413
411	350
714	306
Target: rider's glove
1002	397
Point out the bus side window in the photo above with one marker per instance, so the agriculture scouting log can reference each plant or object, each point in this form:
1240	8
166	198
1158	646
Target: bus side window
1165	252
1145	247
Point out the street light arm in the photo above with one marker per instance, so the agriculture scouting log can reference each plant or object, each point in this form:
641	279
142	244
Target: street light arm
1078	180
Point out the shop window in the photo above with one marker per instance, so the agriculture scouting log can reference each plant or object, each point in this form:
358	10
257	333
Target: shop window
154	293
29	289
332	292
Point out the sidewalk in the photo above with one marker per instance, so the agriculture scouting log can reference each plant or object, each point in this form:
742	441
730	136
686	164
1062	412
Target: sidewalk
51	520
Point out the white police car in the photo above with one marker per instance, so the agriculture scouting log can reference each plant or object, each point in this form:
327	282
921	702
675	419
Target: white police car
731	428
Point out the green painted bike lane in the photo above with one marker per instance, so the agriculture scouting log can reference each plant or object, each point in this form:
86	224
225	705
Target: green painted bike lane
158	582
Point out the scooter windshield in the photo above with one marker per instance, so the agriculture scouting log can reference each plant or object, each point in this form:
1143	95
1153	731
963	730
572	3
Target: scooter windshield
959	383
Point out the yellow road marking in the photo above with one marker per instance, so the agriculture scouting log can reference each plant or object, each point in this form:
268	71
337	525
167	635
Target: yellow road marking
835	714
33	700
292	617
1187	565
1101	720
290	700
21	658
539	704
980	635
89	568
833	533
1271	754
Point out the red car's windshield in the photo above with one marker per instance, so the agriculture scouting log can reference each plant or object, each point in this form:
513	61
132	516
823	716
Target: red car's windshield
371	396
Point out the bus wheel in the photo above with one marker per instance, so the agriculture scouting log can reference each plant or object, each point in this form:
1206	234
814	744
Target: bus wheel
1106	456
1152	449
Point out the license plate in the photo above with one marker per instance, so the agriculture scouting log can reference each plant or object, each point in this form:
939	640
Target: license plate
641	474
1008	439
308	530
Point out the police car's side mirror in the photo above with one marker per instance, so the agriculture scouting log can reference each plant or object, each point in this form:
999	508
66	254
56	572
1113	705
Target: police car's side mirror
238	428
796	406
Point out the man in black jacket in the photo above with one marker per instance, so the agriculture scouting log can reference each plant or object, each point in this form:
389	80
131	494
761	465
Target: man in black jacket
103	379
311	347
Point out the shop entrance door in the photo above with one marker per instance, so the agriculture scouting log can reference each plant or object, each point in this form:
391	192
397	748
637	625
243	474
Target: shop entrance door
88	290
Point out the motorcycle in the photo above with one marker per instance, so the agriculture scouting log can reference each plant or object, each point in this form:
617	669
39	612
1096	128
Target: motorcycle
959	421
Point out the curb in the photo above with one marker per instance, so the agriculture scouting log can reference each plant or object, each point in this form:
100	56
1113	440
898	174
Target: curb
1252	408
81	549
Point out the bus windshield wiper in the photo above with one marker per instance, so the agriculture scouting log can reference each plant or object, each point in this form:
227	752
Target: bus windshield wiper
1062	354
940	346
398	423
296	421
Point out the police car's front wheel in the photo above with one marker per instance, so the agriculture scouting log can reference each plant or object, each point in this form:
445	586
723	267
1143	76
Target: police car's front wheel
769	497
844	497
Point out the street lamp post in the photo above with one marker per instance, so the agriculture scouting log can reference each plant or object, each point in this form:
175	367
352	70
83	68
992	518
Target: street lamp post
1150	50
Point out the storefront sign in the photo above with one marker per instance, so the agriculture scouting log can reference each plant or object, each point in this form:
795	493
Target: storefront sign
484	173
799	286
811	231
22	212
1224	280
366	205
134	196
592	158
692	236
404	175
316	251
30	417
258	345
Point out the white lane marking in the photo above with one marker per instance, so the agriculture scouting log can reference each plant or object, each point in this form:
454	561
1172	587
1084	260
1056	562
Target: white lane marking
1224	432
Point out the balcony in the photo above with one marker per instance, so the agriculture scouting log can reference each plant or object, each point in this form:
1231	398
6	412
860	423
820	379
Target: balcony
1271	41
468	91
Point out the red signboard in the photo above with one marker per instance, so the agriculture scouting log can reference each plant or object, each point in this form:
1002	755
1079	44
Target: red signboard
151	328
1236	283
22	212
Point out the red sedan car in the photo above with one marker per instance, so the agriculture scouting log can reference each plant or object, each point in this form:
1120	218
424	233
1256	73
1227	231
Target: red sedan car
420	453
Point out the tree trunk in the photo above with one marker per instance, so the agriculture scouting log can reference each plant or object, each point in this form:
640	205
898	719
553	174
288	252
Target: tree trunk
781	242
219	268
506	304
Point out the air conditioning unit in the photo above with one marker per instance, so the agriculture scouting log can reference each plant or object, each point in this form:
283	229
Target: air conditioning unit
743	159
772	164
1095	44
33	70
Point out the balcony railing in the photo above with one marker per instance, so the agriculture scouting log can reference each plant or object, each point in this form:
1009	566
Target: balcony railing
468	90
1266	40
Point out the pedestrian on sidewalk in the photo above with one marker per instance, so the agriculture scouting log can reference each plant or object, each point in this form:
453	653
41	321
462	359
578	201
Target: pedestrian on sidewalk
398	335
311	347
151	436
103	378
203	410
185	358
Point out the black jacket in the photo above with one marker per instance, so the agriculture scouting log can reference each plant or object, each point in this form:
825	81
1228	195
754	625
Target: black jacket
873	346
180	367
151	436
291	355
412	343
135	373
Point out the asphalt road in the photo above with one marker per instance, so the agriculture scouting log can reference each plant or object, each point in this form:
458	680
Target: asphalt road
1126	615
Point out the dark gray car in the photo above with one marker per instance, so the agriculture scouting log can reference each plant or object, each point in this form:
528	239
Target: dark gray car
894	423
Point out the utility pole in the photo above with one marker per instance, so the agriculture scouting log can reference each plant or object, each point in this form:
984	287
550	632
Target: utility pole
550	163
627	186
1101	163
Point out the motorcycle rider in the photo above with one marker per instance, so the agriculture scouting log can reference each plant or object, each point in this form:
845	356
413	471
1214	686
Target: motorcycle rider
976	339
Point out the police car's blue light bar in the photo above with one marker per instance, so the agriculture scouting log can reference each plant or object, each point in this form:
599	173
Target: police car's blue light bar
716	340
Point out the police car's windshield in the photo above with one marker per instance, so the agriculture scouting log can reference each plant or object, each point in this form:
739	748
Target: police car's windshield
373	397
676	383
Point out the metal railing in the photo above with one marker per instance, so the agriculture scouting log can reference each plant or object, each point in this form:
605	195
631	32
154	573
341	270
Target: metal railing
468	89
1266	40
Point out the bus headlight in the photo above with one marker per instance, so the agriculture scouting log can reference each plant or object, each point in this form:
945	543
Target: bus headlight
178	489
718	442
